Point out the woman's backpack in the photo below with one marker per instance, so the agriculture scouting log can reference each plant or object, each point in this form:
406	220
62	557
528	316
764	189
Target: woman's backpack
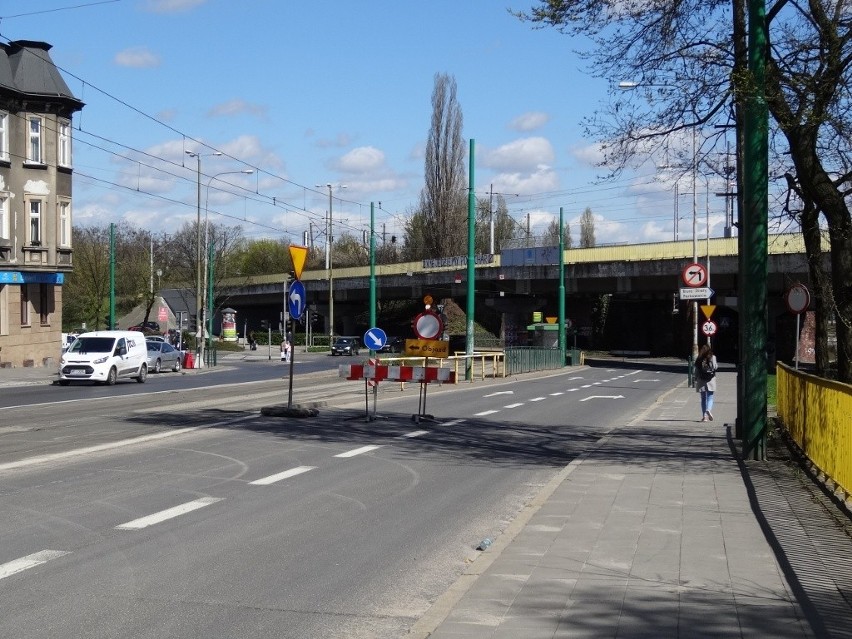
706	372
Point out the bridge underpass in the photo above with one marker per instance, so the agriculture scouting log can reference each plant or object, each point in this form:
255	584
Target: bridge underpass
640	282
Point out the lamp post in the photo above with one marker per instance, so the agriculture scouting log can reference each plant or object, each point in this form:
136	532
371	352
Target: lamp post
329	262
198	258
207	288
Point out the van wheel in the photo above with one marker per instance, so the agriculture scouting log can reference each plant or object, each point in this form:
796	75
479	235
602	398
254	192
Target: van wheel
143	374
111	377
157	366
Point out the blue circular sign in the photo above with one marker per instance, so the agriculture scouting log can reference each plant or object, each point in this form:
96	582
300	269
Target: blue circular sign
375	338
296	300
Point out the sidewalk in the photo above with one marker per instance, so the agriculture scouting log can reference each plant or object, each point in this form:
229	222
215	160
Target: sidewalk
661	531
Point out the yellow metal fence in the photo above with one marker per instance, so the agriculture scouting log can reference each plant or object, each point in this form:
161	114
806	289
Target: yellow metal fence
818	415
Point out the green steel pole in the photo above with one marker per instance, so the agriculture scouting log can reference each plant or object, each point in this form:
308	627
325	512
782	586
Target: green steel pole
562	345
210	258
372	264
755	233
471	247
111	277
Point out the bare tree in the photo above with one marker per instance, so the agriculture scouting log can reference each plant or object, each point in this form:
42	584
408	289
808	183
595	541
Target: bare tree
551	235
689	72
587	229
442	229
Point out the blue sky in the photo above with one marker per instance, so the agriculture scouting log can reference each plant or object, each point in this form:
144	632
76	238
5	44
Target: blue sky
306	93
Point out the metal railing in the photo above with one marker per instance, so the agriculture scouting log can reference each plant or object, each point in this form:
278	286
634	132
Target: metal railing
526	359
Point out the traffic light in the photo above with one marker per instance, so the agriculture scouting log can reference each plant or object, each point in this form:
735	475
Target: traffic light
264	324
193	323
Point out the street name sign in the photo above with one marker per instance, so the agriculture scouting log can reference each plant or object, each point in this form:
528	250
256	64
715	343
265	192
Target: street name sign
700	293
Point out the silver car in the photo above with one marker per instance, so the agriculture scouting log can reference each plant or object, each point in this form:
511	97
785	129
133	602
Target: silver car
162	355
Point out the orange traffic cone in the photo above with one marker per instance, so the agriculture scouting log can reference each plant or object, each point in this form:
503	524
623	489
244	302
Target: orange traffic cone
188	360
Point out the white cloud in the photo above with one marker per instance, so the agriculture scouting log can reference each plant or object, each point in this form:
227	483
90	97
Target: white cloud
237	107
520	155
137	57
172	6
361	160
543	179
529	121
590	155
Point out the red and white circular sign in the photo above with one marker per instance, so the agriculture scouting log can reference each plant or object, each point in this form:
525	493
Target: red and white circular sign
428	325
709	328
798	299
694	275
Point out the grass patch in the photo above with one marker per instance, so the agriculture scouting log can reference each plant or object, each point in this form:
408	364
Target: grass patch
771	391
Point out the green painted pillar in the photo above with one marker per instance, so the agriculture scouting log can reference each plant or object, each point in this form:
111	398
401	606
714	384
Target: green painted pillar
471	271
753	296
562	345
372	264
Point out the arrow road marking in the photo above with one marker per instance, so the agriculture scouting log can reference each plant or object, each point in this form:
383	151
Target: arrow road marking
585	399
30	561
645	380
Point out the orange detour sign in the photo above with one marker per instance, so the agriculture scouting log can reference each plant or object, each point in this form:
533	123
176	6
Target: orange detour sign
298	255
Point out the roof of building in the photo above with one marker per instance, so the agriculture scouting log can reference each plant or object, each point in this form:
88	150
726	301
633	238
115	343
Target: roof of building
27	68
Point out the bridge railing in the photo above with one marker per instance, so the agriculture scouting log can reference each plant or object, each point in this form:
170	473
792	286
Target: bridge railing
526	359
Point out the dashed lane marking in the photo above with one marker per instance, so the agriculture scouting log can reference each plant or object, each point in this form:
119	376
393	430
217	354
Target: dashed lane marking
538	399
485	412
265	481
415	433
358	451
514	405
30	561
169	513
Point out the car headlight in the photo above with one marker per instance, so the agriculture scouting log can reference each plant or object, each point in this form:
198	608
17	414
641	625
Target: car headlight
101	360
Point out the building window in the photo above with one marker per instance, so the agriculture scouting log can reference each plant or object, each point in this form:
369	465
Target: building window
44	303
34	148
64	144
65	224
25	305
35	222
4	136
4	217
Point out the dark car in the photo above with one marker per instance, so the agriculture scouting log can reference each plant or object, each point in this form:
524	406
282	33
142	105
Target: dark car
345	346
393	345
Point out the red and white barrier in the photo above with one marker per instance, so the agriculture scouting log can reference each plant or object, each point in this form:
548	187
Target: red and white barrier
379	373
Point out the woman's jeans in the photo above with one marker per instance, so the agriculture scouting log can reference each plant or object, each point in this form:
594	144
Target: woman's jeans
706	401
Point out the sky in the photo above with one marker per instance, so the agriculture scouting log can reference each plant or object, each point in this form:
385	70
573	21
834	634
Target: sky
304	94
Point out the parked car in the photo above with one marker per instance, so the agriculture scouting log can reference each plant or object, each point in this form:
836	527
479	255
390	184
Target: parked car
345	346
393	345
162	355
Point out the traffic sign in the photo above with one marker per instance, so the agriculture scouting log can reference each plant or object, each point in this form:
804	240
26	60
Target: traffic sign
709	328
696	293
296	299
428	325
708	309
798	299
694	275
375	338
298	254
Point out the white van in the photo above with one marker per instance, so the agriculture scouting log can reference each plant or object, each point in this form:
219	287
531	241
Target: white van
105	356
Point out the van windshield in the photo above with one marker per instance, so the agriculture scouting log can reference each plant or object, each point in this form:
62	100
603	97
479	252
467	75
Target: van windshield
92	345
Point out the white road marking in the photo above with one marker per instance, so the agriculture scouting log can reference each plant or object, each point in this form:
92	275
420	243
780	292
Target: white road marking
485	412
514	405
645	380
500	393
169	513
556	394
358	451
415	433
586	386
538	399
30	561
265	481
572	390
576	377
94	449
585	399
453	422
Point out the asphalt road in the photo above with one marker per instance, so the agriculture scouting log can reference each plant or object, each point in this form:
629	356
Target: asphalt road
189	514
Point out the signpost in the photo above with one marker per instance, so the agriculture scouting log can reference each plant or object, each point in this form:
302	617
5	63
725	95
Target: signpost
798	299
698	293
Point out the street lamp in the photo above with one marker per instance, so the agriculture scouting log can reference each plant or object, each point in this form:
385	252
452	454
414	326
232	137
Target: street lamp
329	263
207	289
198	307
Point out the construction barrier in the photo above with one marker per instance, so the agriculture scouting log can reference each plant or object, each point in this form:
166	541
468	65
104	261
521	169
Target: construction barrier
380	373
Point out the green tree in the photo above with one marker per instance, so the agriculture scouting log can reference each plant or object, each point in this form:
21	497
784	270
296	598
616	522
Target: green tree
441	230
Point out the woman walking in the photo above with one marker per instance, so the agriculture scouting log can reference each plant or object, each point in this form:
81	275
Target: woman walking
705	380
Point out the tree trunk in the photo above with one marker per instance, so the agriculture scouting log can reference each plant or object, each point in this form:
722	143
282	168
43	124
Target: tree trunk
821	285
